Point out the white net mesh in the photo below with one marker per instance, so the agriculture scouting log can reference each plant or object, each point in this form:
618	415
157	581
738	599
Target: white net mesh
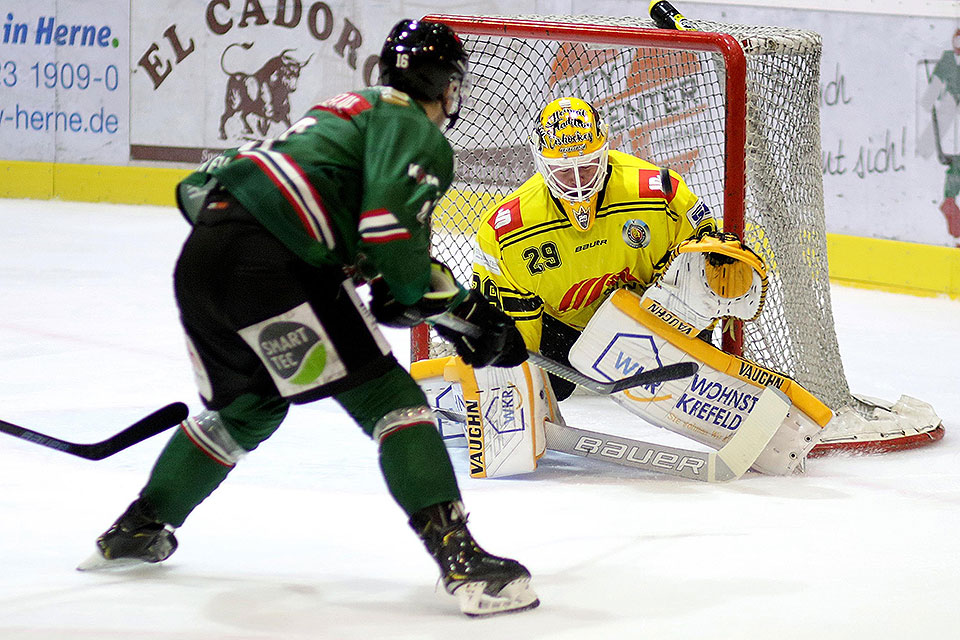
668	106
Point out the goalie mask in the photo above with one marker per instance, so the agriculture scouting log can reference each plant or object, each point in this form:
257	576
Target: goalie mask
570	149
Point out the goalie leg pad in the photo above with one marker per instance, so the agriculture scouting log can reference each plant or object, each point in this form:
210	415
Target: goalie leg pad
881	427
628	335
442	394
505	410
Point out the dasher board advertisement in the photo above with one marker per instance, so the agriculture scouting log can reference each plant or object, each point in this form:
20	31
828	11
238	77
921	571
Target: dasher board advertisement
64	69
213	75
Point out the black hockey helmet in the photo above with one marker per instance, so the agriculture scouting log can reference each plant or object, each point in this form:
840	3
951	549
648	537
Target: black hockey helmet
422	58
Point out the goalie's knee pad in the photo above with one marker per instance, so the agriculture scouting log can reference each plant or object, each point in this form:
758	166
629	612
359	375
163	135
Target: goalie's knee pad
628	335
497	413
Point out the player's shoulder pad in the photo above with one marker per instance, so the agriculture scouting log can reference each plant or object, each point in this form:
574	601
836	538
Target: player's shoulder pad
353	103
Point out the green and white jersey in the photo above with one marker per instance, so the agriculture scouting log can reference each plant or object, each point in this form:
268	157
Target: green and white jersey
355	179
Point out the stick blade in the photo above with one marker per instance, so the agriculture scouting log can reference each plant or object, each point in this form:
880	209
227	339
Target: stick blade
754	434
666	373
147	427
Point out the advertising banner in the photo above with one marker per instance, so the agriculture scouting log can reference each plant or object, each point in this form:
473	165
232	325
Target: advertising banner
884	80
63	80
169	82
212	75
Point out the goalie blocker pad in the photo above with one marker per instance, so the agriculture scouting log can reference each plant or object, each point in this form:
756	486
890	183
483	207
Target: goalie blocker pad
505	410
629	334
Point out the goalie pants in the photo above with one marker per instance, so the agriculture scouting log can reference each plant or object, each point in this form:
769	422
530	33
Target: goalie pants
555	342
231	274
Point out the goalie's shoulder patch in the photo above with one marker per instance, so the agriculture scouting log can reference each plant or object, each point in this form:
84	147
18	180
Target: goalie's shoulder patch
652	184
698	214
506	218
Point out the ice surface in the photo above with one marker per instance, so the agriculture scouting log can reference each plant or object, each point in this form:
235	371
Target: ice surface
303	541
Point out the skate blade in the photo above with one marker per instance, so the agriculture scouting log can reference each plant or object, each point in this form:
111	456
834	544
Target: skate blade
96	562
514	597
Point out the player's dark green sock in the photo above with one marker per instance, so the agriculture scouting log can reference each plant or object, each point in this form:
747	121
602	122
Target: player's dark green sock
184	474
413	459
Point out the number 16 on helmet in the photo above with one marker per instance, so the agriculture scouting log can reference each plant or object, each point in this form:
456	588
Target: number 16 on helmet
427	61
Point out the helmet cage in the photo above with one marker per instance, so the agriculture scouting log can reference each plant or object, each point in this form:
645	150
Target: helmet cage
458	90
570	148
564	176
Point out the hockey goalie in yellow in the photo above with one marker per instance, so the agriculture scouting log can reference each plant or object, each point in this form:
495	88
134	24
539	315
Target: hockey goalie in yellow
590	221
614	266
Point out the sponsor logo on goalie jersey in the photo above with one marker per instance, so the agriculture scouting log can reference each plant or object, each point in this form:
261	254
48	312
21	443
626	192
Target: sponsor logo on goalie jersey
698	214
636	233
506	218
590	245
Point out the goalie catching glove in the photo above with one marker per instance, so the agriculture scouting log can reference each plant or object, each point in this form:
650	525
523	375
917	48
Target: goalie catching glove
711	276
499	344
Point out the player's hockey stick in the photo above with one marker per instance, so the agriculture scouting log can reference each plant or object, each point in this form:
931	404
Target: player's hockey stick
650	376
158	421
729	463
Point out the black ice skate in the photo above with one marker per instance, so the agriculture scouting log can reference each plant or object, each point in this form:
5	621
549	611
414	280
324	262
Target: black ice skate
136	537
484	584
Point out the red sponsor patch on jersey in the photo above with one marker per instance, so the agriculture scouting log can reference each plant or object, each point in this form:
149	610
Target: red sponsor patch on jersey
584	293
506	218
651	185
345	105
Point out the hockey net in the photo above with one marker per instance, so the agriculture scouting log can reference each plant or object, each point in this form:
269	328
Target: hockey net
732	108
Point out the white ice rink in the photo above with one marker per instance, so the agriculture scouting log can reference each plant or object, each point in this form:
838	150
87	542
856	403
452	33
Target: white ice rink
303	541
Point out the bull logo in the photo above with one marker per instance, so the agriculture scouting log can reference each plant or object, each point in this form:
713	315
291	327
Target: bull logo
263	94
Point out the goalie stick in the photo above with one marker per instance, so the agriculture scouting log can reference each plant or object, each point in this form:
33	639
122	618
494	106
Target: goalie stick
650	376
730	462
157	422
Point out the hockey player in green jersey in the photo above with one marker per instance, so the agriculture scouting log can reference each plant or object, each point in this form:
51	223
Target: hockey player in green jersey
265	288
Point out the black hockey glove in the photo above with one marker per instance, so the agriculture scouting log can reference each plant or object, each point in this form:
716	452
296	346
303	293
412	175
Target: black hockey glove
444	292
500	343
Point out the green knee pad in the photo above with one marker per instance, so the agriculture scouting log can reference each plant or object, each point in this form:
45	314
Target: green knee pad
374	399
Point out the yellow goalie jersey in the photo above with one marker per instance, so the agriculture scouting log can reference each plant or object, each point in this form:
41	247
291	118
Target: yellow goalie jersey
530	260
